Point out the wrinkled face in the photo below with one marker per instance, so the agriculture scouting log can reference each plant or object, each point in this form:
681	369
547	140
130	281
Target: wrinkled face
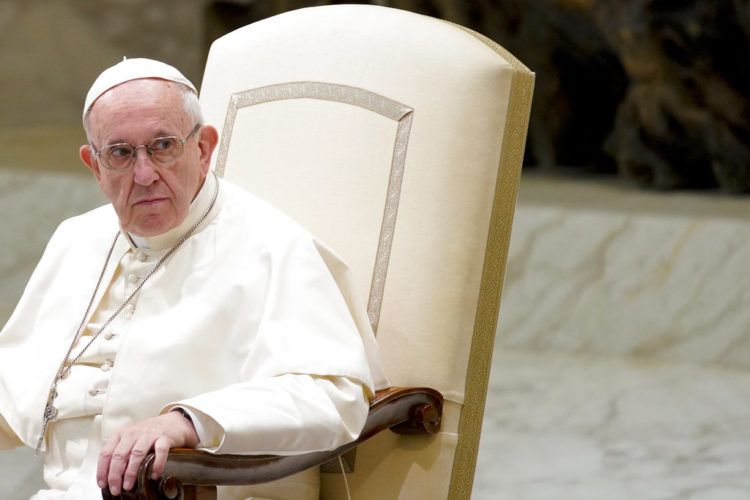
149	198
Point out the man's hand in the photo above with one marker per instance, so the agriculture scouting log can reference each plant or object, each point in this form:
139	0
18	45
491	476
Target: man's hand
123	453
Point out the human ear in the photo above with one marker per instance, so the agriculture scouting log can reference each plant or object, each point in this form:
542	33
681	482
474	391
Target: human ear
87	157
207	142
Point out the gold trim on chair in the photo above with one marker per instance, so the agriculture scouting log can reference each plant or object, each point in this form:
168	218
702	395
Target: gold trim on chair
493	271
356	97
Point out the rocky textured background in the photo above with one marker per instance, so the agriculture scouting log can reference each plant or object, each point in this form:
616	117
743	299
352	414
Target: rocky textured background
652	89
655	88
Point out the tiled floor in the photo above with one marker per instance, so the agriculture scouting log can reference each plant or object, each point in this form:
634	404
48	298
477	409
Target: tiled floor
584	427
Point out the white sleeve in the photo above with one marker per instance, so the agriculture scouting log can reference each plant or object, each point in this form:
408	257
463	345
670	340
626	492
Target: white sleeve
304	384
285	415
8	438
202	429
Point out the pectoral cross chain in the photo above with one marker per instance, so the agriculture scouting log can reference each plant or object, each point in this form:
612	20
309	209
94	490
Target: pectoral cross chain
50	411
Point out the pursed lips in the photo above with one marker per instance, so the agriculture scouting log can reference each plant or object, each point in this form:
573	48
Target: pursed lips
149	201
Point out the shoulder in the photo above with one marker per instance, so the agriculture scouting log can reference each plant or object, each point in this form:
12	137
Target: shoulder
74	242
87	228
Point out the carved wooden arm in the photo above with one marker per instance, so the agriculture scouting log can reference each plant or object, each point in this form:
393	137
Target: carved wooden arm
414	410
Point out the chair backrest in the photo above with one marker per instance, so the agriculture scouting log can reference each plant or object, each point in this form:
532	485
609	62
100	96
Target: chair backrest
397	139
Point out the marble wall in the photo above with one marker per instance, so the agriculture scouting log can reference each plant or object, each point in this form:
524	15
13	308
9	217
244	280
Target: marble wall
621	272
34	203
621	362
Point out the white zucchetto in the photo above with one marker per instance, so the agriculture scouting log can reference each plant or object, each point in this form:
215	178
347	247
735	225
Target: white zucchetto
133	69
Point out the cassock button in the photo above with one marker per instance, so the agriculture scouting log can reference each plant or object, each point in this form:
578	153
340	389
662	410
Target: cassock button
141	256
109	336
133	278
93	391
129	310
107	365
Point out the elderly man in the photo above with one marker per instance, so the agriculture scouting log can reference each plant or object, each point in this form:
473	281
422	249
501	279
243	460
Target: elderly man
185	313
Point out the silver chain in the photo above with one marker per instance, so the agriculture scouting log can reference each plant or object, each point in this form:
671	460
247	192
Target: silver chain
50	411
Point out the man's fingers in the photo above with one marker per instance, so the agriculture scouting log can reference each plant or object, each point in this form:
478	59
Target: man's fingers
105	456
123	454
117	464
161	452
137	454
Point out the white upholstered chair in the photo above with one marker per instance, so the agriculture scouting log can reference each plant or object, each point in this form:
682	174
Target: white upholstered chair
397	140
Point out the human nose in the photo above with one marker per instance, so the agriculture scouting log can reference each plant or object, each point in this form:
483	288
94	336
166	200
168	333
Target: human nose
144	170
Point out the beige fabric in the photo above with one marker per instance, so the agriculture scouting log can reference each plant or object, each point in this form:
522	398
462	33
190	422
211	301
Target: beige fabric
336	160
328	161
352	96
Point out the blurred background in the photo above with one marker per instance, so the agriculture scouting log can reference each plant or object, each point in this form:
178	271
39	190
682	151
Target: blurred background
654	90
622	355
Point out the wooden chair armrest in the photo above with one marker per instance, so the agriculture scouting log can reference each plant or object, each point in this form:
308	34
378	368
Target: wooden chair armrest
413	410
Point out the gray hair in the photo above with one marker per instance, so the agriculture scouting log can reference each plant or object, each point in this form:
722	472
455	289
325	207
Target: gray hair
190	103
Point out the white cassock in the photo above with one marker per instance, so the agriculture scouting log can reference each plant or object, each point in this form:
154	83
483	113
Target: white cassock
251	326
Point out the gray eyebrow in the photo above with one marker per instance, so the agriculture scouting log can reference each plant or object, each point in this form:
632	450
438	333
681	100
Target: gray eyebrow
159	135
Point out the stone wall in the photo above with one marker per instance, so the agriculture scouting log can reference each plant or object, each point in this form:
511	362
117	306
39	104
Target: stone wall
598	268
52	51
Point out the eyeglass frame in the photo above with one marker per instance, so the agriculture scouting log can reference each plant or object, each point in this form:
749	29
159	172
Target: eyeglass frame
97	154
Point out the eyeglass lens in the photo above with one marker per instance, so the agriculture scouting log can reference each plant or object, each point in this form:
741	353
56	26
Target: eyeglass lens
160	150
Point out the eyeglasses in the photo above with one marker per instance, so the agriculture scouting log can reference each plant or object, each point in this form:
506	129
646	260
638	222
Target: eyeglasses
162	150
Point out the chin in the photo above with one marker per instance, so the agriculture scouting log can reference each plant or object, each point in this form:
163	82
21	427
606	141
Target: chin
152	226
